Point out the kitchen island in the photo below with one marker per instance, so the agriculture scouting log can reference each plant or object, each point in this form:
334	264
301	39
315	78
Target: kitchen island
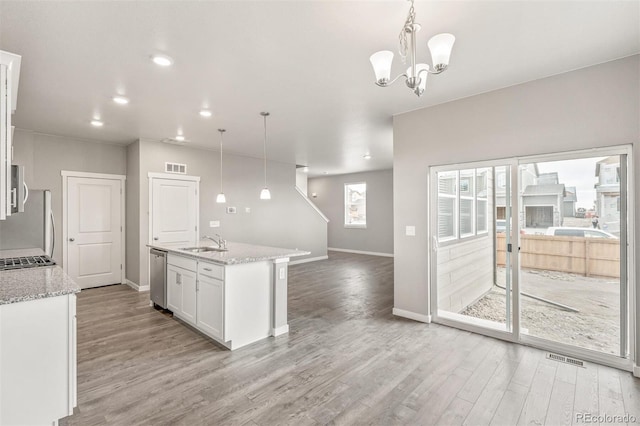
236	296
37	343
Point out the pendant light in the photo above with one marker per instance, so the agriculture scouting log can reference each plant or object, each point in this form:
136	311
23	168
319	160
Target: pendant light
221	198
265	194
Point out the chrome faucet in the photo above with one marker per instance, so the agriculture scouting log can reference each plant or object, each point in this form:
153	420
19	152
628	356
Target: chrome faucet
222	244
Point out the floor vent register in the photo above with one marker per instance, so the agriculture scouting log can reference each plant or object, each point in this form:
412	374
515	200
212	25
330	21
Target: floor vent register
565	359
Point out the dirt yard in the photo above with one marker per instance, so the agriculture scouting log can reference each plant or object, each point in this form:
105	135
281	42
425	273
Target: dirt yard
596	326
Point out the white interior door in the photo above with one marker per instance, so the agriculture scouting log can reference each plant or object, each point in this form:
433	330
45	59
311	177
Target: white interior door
94	231
174	211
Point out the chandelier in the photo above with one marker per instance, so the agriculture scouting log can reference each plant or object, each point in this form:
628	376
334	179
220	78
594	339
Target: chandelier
416	76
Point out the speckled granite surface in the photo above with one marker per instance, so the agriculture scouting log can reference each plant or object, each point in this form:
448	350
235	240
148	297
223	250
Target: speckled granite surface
237	253
22	285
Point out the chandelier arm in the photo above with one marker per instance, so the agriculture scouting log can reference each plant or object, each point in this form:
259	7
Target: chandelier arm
389	83
440	70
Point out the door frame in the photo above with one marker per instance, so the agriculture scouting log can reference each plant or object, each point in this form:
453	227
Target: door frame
509	336
628	364
66	174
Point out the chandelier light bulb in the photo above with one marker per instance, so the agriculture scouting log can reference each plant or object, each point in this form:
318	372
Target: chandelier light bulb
440	46
381	62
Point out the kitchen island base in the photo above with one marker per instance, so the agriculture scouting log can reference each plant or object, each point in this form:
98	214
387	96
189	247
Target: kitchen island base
236	304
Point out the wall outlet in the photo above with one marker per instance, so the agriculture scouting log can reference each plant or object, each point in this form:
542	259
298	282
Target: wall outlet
214	224
410	231
231	210
247	209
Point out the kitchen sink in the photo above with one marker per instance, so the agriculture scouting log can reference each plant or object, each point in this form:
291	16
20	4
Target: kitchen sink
203	249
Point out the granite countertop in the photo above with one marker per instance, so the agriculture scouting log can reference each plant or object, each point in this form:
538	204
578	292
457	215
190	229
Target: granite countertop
22	285
237	252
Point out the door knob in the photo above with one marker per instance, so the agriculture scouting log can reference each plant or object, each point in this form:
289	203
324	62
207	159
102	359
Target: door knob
72	239
155	238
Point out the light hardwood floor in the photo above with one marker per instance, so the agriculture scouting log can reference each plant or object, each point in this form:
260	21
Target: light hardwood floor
346	360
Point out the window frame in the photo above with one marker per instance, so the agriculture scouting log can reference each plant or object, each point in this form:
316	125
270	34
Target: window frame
347	204
458	197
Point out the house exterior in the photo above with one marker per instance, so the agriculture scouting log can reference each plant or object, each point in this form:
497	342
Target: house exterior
570	200
608	194
542	205
528	176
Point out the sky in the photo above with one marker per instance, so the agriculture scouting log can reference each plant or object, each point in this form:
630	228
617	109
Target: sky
579	173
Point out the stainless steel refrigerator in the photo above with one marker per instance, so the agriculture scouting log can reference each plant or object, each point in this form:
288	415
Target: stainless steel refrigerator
33	228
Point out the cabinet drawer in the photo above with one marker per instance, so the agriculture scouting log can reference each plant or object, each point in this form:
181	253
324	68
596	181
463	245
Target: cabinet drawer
211	270
182	262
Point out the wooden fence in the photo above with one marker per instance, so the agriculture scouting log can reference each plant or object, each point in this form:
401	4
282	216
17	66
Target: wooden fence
591	257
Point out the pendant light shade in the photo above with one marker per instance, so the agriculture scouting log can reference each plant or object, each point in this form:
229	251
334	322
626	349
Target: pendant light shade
265	194
221	198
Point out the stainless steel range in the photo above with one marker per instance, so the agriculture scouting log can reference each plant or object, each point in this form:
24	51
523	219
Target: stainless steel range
22	262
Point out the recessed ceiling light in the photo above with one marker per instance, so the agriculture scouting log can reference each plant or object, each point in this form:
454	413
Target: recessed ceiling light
206	113
97	123
180	138
122	100
367	156
162	60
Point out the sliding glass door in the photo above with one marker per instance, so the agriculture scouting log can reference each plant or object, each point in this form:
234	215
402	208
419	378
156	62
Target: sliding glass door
535	250
472	229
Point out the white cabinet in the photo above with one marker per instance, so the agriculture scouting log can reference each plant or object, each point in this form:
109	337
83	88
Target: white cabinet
9	74
210	312
174	290
38	360
181	293
188	283
233	304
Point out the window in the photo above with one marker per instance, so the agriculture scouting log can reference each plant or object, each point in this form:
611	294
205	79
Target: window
355	205
462	203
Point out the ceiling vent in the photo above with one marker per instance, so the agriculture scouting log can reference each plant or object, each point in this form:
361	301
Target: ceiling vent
175	168
173	141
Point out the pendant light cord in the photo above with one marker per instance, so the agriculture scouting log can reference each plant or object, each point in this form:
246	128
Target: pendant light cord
265	150
221	133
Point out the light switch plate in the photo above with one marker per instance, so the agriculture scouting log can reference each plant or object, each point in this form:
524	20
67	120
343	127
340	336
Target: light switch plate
231	210
214	224
247	209
410	231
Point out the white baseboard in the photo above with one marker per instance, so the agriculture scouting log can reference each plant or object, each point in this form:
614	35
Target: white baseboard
412	315
280	330
310	259
370	253
137	287
636	371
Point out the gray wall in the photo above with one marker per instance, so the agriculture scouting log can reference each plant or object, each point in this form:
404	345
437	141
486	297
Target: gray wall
592	107
378	236
45	156
286	220
133	213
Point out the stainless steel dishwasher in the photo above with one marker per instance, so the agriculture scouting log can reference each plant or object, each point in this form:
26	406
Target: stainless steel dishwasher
158	278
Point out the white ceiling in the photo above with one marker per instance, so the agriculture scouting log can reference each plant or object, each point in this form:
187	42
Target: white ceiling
307	62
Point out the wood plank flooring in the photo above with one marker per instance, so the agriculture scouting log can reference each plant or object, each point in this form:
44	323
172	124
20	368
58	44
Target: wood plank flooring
345	361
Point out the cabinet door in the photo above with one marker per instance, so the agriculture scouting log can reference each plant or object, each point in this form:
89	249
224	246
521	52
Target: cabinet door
211	306
174	289
188	284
